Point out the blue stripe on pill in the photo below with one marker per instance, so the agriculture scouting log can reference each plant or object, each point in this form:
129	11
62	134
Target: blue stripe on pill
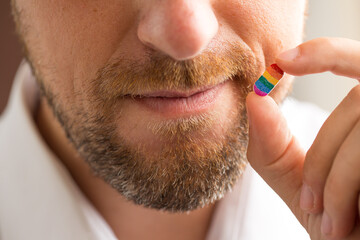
262	87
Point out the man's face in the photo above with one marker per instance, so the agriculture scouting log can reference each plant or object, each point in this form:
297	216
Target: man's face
151	93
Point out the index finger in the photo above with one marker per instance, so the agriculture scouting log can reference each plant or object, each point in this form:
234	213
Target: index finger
337	55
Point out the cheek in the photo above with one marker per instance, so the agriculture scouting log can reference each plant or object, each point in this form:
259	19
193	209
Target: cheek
68	41
268	27
282	26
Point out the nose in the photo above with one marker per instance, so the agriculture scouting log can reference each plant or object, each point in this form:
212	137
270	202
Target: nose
179	28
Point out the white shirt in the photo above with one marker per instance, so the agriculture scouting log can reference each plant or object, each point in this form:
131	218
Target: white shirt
39	199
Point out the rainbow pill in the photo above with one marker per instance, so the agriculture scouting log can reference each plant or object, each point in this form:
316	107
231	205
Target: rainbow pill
268	80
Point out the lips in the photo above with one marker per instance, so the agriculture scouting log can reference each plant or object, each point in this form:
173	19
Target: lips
175	94
175	103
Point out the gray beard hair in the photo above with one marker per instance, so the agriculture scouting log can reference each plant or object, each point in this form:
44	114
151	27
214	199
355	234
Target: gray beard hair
188	173
182	178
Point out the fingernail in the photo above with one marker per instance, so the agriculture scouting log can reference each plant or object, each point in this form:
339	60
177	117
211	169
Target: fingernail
326	225
289	55
306	198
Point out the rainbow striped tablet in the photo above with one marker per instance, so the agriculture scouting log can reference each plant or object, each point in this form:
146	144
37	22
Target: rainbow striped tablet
268	80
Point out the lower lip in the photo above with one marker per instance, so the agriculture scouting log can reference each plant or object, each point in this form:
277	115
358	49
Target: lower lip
196	103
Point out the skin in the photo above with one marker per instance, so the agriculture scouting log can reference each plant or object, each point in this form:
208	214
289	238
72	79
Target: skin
67	56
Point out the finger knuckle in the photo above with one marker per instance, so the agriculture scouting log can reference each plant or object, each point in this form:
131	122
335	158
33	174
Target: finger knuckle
332	192
348	168
354	96
311	168
326	42
325	46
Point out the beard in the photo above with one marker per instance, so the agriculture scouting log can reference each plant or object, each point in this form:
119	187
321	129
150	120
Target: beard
192	169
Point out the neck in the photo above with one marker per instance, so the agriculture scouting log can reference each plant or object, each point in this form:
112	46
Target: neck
127	220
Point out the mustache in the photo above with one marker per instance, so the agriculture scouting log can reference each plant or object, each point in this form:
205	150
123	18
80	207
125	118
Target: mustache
123	77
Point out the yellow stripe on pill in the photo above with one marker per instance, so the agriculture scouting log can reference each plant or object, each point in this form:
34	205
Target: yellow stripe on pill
270	78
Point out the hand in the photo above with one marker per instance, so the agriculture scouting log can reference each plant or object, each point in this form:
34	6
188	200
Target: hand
322	186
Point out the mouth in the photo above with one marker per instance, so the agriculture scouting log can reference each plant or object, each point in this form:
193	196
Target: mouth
175	94
178	103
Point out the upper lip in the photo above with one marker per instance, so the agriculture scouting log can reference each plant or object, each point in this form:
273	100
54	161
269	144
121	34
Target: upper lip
176	93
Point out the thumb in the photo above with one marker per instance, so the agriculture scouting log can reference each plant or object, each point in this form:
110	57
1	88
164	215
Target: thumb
273	151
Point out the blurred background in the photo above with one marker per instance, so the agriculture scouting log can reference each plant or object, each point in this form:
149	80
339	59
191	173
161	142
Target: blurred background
329	18
332	18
